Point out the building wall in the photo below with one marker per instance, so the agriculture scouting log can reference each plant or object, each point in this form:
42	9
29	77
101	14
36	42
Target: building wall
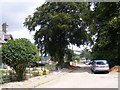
4	36
1	35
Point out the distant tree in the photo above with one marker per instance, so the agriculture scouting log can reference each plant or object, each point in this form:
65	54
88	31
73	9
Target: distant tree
87	54
17	54
69	54
76	58
57	25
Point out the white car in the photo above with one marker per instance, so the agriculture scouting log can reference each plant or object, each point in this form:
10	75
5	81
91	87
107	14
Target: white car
100	66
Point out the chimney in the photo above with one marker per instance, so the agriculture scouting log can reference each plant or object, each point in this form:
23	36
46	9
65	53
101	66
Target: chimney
5	27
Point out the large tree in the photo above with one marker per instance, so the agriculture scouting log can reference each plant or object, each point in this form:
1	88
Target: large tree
17	54
57	25
104	25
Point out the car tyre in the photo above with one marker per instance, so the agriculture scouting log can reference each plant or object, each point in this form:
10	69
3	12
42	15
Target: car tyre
107	72
94	72
91	70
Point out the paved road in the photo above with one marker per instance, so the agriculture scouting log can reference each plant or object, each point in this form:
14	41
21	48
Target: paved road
83	78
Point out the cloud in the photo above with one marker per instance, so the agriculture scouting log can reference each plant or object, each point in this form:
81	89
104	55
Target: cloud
9	1
14	13
23	34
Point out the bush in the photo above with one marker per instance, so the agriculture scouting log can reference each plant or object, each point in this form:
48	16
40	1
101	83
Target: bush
41	64
37	73
46	72
40	73
17	53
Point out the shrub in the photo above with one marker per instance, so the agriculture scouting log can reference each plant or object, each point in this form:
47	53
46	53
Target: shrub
46	72
41	64
40	73
37	73
17	53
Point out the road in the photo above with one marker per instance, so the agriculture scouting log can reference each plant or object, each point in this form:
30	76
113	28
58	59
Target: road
83	78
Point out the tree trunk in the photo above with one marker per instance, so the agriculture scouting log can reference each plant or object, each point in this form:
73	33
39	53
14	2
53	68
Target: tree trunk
60	63
66	65
20	72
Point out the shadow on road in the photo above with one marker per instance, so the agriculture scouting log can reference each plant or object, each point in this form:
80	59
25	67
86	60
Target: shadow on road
83	69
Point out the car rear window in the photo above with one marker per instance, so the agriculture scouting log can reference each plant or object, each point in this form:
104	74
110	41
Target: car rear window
101	63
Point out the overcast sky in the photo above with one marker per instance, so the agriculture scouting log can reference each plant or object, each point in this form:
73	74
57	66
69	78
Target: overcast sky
14	13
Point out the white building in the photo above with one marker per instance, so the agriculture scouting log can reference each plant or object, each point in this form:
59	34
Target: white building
4	36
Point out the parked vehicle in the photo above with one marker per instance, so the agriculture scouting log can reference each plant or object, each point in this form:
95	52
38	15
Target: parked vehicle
91	62
100	66
87	62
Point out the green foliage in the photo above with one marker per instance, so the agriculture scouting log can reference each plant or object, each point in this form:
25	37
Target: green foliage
76	58
37	73
36	58
18	53
40	64
58	25
40	72
105	24
86	53
69	54
46	72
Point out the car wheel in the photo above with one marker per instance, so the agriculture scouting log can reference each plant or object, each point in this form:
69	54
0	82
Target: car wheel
91	69
107	72
94	72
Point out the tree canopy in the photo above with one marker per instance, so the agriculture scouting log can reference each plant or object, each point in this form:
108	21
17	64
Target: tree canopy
58	25
17	54
104	24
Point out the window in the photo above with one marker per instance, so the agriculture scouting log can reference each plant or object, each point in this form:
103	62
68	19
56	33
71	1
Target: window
5	39
101	63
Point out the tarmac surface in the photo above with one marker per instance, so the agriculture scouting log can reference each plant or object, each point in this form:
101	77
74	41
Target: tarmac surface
84	78
80	78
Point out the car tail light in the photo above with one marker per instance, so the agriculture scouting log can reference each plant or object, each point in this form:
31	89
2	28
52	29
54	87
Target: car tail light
96	66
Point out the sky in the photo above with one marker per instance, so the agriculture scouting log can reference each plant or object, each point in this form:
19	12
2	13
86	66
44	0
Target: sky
14	13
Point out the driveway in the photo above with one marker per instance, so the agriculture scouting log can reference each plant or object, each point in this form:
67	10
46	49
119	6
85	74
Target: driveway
83	78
